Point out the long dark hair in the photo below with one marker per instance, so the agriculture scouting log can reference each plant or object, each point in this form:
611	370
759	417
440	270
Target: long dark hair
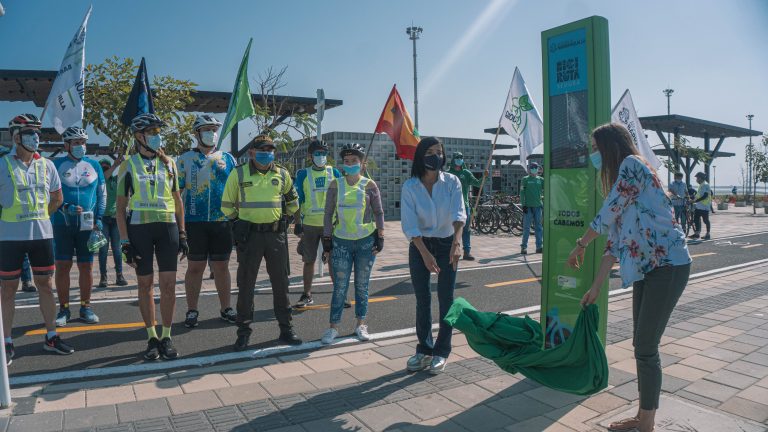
418	169
615	144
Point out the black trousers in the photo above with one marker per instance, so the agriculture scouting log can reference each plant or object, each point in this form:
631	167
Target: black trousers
272	247
698	215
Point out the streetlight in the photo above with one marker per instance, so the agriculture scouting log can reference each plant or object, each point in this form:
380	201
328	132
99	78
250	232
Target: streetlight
668	93
413	34
749	161
714	180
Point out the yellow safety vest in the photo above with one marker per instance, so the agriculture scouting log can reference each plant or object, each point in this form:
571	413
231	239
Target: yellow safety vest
151	192
313	207
34	205
261	195
706	202
350	210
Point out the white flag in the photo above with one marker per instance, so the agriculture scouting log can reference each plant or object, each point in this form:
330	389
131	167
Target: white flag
65	101
520	118
624	113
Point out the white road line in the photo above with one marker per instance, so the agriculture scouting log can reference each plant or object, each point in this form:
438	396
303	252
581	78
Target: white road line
272	351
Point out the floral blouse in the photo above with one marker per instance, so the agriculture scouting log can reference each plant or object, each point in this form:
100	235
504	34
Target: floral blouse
637	215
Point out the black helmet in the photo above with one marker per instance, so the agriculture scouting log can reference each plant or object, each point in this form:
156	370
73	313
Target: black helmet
701	175
533	165
317	145
144	121
678	174
352	149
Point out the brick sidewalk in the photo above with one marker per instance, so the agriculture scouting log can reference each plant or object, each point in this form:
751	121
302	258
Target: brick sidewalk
714	358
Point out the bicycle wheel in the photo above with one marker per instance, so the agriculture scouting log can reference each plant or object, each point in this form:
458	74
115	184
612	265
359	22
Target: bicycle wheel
517	223
485	220
505	219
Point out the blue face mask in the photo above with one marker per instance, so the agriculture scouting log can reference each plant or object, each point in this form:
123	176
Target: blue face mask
30	141
154	142
351	169
597	159
319	161
77	151
264	158
459	162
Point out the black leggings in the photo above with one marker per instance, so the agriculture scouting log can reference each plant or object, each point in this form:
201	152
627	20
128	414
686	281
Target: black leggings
698	215
156	239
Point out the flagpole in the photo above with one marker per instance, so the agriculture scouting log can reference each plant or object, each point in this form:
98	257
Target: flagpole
365	159
485	175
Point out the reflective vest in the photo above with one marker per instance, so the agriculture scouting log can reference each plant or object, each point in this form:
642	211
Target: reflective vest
313	207
151	192
30	202
350	209
261	195
706	202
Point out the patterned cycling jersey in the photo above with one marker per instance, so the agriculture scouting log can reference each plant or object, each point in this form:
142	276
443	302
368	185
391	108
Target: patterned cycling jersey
82	184
202	179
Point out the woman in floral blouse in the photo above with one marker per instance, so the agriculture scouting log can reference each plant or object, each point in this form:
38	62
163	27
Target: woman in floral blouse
643	236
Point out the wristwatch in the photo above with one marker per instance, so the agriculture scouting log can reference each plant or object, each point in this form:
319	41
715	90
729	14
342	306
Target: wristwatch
580	244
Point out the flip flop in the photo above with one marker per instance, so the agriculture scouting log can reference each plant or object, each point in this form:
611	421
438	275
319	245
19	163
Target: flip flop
626	424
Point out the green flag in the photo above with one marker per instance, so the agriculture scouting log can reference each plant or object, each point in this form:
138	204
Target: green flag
240	104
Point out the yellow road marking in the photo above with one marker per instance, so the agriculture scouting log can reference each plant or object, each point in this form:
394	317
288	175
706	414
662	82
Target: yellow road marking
751	246
703	254
512	282
327	306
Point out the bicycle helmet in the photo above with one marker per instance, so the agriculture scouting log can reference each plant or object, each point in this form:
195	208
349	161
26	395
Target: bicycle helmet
317	145
352	149
458	155
205	120
144	121
22	121
73	133
533	165
701	175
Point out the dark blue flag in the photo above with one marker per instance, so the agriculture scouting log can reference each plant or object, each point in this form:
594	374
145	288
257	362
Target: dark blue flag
140	99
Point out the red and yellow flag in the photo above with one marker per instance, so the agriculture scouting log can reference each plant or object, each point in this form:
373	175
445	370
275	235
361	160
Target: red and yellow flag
396	122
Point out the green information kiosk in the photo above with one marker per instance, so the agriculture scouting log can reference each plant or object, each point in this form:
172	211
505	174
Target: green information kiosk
577	98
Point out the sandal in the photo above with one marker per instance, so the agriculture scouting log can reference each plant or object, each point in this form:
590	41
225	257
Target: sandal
626	424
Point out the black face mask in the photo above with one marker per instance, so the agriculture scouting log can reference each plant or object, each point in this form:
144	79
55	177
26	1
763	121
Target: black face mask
433	162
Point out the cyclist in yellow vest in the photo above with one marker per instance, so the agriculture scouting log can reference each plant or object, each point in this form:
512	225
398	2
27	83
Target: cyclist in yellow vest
30	190
148	186
702	204
312	185
354	216
256	198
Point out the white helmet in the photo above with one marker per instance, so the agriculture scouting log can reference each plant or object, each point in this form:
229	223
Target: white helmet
73	133
205	120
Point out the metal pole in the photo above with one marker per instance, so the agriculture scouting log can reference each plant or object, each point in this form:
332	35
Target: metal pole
714	180
5	390
414	33
668	92
749	159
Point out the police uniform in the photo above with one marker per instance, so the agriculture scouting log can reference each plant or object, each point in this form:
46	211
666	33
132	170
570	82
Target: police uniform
257	202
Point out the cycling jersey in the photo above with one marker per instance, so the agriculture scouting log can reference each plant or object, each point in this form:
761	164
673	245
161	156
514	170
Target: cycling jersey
202	179
82	184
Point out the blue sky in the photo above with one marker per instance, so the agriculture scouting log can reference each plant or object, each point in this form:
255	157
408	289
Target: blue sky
711	52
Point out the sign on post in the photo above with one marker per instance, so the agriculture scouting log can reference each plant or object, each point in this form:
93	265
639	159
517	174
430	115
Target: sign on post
577	98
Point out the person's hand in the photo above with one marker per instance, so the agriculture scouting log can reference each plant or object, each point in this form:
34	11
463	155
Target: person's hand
430	263
298	229
525	210
183	246
73	210
120	159
99	225
576	257
129	253
455	256
378	245
590	296
326	256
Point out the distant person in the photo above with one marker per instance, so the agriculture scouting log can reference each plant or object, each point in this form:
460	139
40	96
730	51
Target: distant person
531	199
702	203
679	192
110	226
468	180
734	191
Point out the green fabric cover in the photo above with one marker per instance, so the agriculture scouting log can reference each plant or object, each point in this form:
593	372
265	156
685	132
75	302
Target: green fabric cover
578	366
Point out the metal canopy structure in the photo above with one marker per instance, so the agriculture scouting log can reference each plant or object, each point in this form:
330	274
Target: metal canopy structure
34	86
679	125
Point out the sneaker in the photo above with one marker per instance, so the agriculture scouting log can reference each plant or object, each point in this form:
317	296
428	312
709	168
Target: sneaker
706	237
241	343
523	251
121	280
438	365
27	286
229	315
304	301
419	362
289	337
329	336
63	317
167	350
55	344
347	305
9	353
191	320
694	236
362	333
103	282
87	315
539	250
468	257
153	349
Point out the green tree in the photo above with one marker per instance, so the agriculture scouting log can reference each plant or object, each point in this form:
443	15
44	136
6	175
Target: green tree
108	85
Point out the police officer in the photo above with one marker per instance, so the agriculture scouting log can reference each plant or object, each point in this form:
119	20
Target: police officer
254	198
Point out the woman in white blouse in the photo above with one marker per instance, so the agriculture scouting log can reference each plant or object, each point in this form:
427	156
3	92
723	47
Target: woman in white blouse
432	216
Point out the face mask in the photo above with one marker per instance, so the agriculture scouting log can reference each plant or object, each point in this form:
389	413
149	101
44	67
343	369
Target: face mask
597	159
30	141
208	138
459	162
351	169
534	171
264	158
154	142
319	160
433	162
77	151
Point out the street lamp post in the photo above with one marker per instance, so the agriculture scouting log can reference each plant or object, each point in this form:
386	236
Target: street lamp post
749	159
413	34
668	93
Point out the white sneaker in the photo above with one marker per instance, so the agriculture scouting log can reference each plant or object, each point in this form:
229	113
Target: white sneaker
329	336
438	365
418	362
362	332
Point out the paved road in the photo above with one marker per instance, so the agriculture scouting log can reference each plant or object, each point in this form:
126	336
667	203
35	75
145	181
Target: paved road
392	308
